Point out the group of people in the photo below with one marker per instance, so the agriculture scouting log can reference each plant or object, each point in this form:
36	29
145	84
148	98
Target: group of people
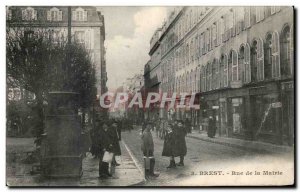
107	134
105	139
174	145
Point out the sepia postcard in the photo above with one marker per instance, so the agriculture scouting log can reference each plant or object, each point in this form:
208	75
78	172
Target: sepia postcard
150	96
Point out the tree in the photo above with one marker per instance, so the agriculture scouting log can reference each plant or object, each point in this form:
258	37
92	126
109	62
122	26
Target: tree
38	63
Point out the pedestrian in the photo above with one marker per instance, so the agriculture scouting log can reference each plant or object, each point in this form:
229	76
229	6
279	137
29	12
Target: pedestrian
169	144
106	145
211	132
115	134
188	125
147	148
157	127
95	146
180	149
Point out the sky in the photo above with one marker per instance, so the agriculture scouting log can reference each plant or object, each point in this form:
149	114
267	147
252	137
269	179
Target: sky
128	32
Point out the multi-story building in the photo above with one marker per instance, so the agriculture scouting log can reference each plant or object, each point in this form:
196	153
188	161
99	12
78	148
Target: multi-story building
239	61
87	28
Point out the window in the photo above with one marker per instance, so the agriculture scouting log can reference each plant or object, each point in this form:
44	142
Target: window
247	66
241	64
239	19
268	57
260	60
79	36
203	79
202	44
191	56
247	17
230	20
233	62
199	79
257	58
260	13
224	70
208	39
275	9
214	35
29	14
54	14
275	55
196	74
286	51
221	29
79	15
215	74
209	76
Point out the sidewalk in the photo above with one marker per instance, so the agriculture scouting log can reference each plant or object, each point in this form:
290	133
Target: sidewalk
126	174
256	146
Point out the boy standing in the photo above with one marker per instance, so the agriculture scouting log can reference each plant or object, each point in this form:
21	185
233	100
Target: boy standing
148	150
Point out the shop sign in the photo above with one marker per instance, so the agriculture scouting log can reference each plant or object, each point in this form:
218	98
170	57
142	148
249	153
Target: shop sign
276	105
258	90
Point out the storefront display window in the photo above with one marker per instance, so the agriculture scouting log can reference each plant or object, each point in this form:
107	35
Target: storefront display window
237	112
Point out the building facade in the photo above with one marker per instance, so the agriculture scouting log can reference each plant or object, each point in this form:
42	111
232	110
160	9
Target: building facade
87	28
239	62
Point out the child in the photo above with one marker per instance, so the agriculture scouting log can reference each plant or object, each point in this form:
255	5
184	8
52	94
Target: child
148	149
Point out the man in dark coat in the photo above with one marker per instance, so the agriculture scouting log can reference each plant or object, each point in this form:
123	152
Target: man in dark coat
116	137
180	144
188	125
106	144
95	146
211	132
169	145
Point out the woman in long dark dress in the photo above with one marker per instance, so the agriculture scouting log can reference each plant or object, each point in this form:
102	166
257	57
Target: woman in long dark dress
106	144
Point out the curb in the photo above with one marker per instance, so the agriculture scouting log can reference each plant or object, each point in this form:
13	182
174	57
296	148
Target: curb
276	149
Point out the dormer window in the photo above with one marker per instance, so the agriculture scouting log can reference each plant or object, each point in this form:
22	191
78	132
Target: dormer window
54	14
79	15
29	14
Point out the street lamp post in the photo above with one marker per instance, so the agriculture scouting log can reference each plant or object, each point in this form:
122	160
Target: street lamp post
61	149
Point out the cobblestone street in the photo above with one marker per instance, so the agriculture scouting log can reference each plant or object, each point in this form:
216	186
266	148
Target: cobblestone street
205	156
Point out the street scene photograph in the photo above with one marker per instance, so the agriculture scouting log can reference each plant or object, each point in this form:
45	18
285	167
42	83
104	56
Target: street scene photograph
150	96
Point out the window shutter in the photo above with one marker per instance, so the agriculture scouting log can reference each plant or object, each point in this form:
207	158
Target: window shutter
217	75
49	15
247	64
275	55
74	15
225	71
260	60
59	16
292	49
85	16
